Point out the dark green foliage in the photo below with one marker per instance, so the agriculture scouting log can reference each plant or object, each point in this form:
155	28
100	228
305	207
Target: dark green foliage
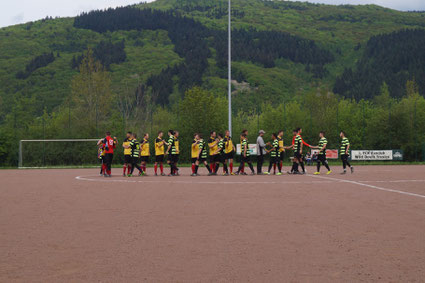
36	63
264	47
393	58
106	52
187	35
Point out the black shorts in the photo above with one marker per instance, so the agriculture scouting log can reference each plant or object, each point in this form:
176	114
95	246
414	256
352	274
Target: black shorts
321	158
282	156
173	158
214	158
245	159
194	160
298	155
230	155
344	157
144	159
135	160
127	159
274	159
222	158
159	158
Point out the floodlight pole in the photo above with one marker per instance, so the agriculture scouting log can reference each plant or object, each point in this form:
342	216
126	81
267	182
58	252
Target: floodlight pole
230	68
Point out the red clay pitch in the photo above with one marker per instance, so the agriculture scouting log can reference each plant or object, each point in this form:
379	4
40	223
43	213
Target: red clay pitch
72	226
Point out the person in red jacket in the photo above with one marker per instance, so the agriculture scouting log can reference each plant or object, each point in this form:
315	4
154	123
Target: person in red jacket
109	146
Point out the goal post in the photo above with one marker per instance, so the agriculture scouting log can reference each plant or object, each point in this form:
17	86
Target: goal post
57	152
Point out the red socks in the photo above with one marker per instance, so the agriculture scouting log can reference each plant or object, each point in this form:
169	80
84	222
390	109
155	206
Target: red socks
124	168
156	168
231	167
193	168
161	166
274	168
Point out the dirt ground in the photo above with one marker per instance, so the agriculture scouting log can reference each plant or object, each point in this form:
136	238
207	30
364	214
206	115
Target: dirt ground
74	226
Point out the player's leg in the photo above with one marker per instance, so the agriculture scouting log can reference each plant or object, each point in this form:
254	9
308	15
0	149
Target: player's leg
326	164
280	161
248	160
301	162
217	163
344	163
231	165
194	161
270	165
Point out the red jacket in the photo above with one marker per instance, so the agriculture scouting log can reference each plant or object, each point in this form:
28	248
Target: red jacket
293	141
109	144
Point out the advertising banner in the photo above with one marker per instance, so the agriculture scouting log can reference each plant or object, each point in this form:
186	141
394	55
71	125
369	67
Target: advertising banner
252	149
371	155
330	153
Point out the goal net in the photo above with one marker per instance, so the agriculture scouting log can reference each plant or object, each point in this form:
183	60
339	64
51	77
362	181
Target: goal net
58	153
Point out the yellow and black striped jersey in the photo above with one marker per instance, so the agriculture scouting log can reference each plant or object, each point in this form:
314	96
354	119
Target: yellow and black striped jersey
195	149
159	146
281	149
228	145
126	143
144	148
213	149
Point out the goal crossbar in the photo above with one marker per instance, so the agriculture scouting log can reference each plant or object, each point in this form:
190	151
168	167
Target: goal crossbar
51	140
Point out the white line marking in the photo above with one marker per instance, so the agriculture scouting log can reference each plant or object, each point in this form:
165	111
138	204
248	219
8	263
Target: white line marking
102	179
394	181
369	186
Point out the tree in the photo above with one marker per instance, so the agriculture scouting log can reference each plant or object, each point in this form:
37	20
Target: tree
91	94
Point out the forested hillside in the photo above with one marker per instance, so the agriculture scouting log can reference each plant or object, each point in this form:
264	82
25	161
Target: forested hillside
145	57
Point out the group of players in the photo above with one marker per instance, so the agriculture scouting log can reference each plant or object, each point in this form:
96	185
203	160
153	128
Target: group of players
218	150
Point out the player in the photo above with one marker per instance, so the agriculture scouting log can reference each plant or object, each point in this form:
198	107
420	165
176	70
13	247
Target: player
345	154
281	150
245	154
100	156
171	152
177	157
274	155
202	157
194	152
144	152
159	153
127	154
212	144
109	146
298	151
321	158
229	150
135	154
220	153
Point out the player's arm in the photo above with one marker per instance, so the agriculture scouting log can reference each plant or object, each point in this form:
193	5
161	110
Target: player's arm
100	141
244	151
169	147
211	145
306	144
347	149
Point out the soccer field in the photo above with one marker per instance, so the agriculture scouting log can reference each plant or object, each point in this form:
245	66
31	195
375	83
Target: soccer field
72	225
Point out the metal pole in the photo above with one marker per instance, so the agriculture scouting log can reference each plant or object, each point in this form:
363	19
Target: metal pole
230	68
20	155
44	144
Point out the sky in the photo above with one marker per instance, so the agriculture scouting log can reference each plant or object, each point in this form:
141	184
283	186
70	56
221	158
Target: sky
21	11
